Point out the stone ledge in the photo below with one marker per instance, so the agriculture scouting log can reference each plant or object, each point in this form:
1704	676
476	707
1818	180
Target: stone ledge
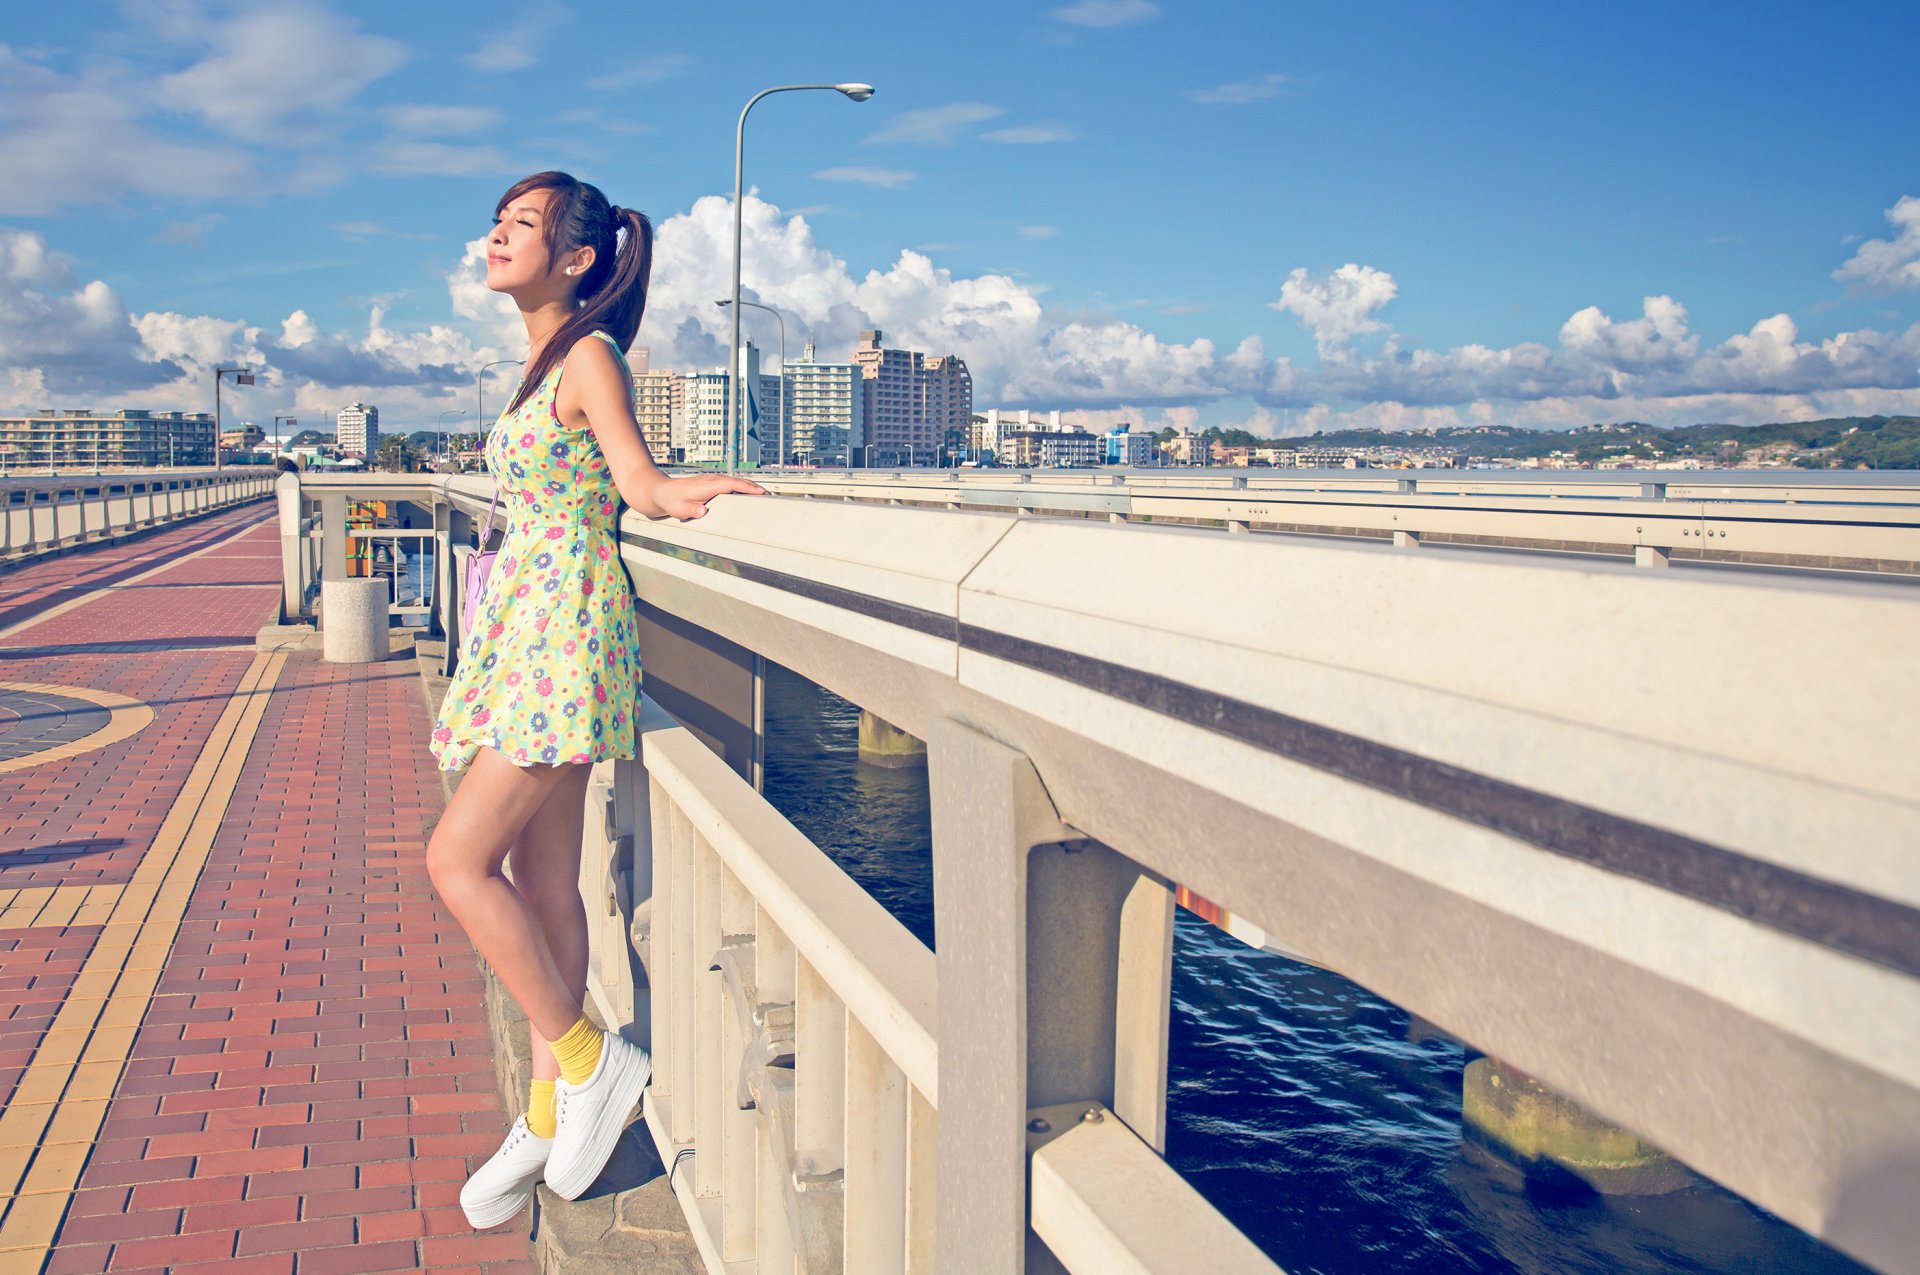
629	1220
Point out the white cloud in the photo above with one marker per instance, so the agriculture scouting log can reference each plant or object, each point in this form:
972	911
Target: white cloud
1030	134
657	69
192	233
517	47
1242	92
68	140
935	125
440	159
1889	263
1659	339
440	121
1107	13
58	335
1339	306
1039	232
882	178
271	65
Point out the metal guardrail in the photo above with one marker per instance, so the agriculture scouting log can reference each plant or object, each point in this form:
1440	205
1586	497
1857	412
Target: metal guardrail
41	514
1850	525
1644	835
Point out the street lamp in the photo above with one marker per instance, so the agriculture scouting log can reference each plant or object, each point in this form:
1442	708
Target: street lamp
854	92
783	367
440	427
291	422
241	376
479	399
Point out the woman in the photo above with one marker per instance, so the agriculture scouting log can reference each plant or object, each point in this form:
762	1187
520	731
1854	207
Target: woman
546	684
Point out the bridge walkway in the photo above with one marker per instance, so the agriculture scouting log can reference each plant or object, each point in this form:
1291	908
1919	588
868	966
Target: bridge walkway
237	1030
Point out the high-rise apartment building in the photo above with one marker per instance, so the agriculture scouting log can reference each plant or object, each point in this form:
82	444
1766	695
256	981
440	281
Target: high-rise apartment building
126	439
658	398
911	400
357	430
828	411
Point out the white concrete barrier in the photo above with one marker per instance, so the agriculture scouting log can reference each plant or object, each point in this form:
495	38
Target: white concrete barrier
353	620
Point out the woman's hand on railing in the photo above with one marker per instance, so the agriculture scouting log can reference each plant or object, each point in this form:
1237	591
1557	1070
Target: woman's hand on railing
686	498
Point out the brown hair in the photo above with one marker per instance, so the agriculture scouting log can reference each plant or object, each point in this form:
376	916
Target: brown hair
613	292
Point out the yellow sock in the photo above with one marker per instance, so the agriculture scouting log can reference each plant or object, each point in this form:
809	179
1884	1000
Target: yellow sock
540	1109
578	1051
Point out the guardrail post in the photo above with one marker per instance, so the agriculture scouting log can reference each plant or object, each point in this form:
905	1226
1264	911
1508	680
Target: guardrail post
293	586
1651	556
989	810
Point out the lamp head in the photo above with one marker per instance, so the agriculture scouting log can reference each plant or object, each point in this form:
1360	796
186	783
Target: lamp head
858	92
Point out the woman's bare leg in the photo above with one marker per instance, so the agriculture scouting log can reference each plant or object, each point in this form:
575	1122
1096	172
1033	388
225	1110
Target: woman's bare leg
488	812
546	871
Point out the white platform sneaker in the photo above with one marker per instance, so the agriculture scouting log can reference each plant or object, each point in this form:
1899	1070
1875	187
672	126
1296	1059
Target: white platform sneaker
504	1185
591	1115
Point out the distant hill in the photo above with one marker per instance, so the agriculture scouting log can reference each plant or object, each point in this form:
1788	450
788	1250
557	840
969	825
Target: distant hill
1842	442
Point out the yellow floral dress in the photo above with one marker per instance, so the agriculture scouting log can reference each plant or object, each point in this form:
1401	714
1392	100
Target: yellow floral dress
550	672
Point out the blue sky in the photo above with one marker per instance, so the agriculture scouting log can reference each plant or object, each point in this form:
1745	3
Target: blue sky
1254	213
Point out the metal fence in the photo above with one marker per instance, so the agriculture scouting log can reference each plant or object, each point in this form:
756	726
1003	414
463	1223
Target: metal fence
42	515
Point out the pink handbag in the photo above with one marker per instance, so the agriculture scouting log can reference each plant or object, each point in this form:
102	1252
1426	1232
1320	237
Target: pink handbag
480	565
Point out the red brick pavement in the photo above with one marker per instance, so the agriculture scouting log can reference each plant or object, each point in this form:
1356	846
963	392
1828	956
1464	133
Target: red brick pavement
313	1080
37	969
27	590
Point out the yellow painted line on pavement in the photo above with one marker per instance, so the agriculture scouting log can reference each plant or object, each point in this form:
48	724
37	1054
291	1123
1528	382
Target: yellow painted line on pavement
49	1126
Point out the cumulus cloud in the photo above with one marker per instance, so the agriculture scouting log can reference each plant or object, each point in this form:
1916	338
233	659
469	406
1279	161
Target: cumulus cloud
1106	13
58	335
1339	306
1889	263
62	338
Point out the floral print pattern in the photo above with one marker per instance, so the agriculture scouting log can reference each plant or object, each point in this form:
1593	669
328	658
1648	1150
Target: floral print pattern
550	672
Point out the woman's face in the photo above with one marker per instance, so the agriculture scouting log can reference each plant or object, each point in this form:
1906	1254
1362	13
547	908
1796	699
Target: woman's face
517	259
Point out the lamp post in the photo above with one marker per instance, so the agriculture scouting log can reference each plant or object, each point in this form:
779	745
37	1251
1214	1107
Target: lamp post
440	427
291	422
777	318
241	376
479	397
855	92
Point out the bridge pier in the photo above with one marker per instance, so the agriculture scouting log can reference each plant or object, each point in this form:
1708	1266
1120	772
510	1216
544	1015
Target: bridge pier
884	744
1550	1137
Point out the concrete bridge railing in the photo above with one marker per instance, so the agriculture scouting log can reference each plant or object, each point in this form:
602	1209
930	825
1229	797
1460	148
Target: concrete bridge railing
44	514
1646	836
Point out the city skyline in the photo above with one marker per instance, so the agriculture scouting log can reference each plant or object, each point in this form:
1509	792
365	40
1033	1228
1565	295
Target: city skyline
1229	217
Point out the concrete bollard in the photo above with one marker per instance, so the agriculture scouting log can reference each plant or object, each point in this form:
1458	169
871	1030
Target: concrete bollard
353	620
1550	1137
884	744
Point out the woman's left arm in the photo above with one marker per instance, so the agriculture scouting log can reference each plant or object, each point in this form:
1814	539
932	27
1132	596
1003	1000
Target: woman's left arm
597	393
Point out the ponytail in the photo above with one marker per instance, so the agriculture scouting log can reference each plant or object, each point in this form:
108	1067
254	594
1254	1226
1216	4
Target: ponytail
613	292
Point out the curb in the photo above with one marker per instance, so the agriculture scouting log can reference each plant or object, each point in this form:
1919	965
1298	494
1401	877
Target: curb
628	1222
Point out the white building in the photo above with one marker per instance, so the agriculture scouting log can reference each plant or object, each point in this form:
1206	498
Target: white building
988	433
828	408
357	429
706	414
1121	446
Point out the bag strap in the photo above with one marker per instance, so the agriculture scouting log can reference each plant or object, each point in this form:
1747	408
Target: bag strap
486	528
